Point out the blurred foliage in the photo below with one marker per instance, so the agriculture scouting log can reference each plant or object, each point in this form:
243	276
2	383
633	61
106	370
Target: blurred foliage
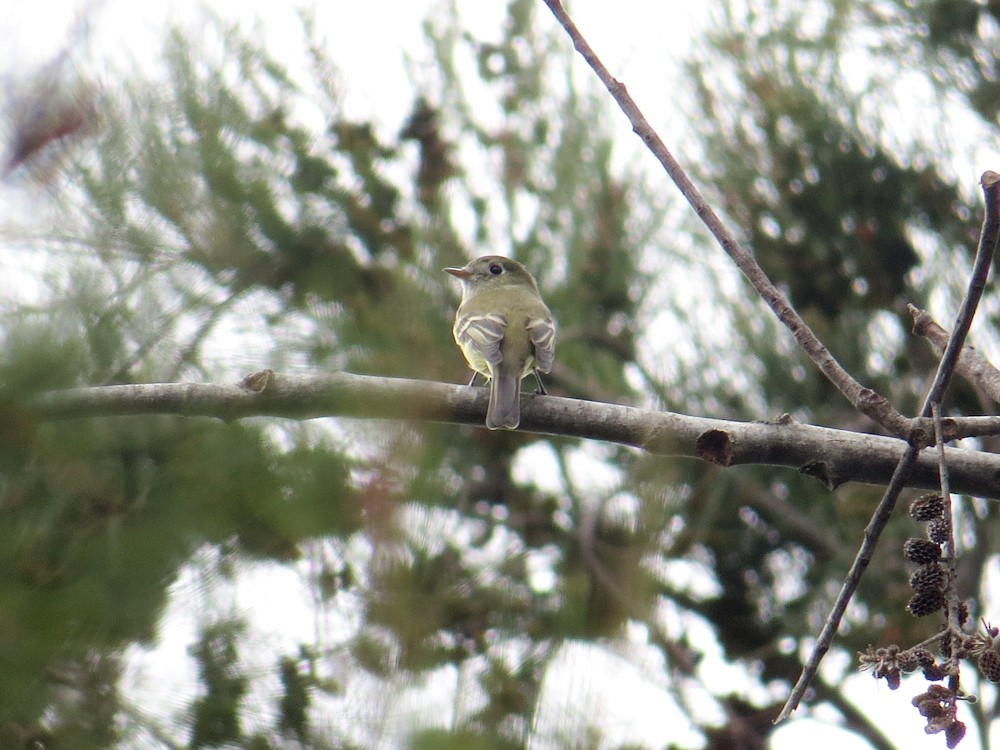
209	203
855	216
216	719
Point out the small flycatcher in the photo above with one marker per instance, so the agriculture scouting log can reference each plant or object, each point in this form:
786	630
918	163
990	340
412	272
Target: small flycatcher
504	330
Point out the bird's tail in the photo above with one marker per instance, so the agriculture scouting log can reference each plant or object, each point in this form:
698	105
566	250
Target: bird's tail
504	411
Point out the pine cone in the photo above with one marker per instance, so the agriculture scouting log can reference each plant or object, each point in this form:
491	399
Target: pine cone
989	665
925	603
939	530
927	507
921	551
928	577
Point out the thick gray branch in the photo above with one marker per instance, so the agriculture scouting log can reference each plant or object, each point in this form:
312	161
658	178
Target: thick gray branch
832	456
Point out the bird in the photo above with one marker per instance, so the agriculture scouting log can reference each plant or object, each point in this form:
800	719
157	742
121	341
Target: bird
505	331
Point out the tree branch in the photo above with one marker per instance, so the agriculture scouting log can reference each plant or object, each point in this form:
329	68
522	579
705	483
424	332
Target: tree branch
832	456
972	365
862	398
988	238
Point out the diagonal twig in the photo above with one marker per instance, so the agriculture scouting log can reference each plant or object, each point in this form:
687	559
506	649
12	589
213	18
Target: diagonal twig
972	365
862	398
990	182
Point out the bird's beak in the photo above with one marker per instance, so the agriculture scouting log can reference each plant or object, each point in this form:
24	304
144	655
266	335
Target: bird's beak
460	273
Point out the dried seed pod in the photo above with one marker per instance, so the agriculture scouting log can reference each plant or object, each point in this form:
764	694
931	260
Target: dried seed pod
989	665
909	660
935	672
965	646
929	706
921	551
893	678
925	603
939	530
924	657
928	577
868	658
954	734
927	507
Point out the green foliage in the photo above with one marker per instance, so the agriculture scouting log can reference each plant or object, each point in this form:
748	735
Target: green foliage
837	214
294	704
205	196
216	718
438	739
99	516
855	216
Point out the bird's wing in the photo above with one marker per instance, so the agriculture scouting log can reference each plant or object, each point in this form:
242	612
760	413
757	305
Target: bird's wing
543	335
480	336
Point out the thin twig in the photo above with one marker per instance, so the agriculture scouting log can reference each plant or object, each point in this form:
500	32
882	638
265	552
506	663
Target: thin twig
972	365
873	531
988	237
956	428
862	398
951	585
990	182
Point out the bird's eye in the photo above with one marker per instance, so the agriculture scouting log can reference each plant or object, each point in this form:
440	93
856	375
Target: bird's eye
495	269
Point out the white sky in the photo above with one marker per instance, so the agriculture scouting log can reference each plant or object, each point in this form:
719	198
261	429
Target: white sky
641	42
